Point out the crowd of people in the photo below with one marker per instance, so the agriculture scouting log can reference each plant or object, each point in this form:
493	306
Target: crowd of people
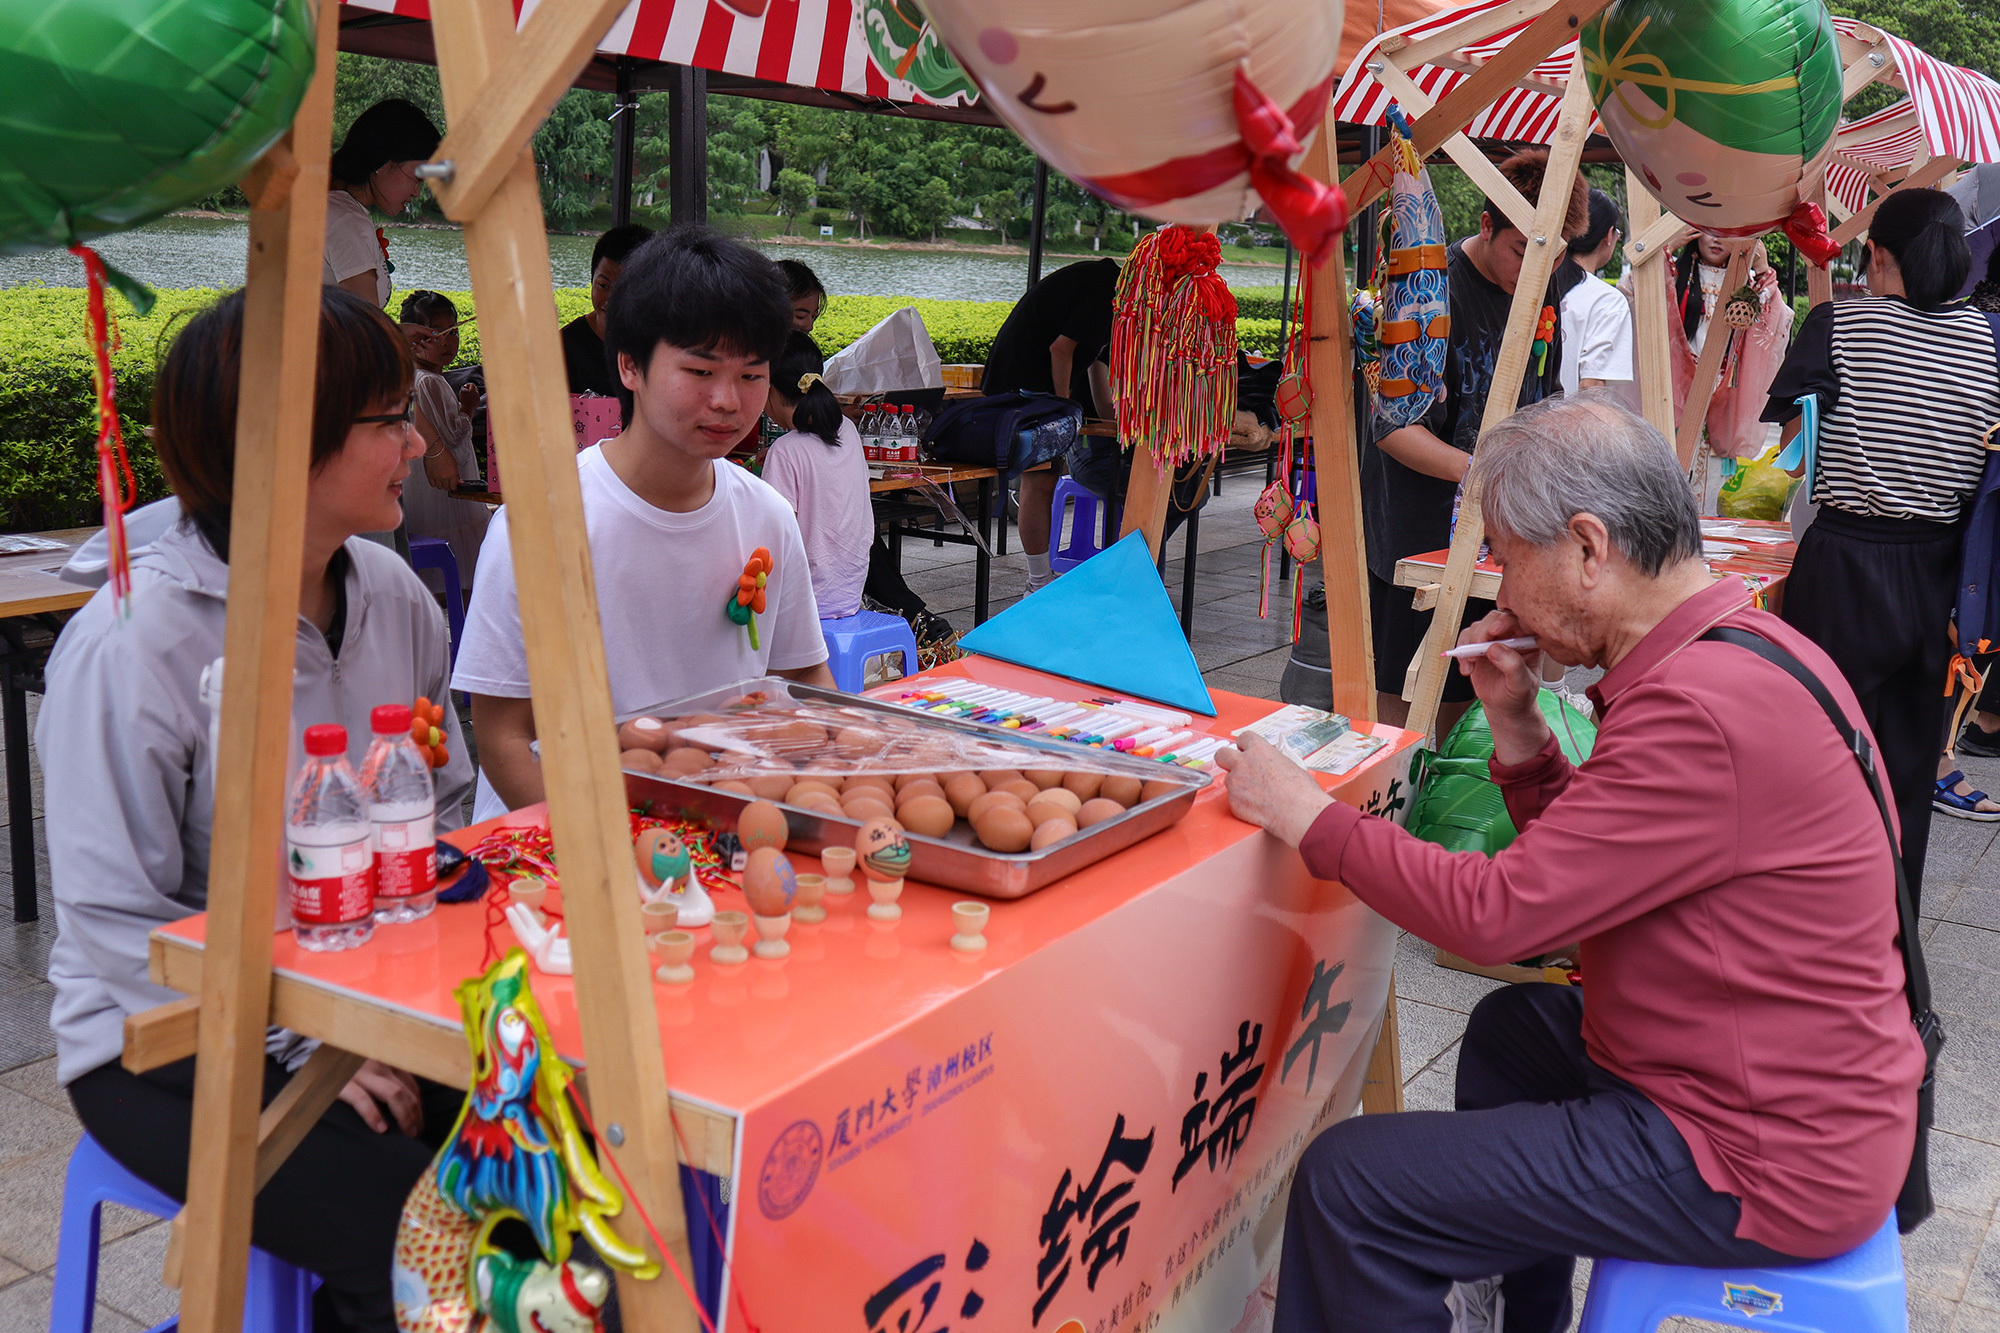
1719	1101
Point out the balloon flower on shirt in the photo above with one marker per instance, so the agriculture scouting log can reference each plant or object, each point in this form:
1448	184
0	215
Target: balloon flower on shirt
746	603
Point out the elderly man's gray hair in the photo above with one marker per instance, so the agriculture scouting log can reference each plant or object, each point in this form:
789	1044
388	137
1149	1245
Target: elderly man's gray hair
1586	454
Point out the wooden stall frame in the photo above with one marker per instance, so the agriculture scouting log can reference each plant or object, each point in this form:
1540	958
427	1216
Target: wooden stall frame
499	85
1441	127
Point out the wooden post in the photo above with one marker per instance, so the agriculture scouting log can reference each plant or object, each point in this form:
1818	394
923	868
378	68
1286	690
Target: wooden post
1653	339
1545	245
507	249
1695	410
1146	494
267	552
1382	1086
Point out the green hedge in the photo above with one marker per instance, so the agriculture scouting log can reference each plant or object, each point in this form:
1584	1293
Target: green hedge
48	414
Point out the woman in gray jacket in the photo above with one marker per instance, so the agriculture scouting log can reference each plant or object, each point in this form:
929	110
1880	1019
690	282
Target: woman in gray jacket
124	742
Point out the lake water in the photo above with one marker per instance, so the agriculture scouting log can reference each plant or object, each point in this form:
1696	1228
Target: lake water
209	252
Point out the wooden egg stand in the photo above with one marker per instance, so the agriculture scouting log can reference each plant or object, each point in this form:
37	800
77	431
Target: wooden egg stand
498	86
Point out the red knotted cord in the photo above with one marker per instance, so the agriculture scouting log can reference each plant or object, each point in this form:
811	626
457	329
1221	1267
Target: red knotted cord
116	487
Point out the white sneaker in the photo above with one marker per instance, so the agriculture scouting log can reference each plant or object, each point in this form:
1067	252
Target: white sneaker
1035	585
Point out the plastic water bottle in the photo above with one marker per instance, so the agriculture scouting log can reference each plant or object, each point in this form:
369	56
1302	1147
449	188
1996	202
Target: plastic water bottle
402	809
906	435
329	851
869	427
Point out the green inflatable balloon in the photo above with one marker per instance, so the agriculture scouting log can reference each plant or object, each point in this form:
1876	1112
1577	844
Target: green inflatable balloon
1725	108
1458	806
117	111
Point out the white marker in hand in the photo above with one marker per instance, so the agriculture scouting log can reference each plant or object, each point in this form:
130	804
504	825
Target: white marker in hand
1526	644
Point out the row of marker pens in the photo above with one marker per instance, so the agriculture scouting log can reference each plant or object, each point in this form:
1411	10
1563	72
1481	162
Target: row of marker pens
1130	728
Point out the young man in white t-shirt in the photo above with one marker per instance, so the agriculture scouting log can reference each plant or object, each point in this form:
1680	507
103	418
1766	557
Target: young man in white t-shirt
694	323
1596	318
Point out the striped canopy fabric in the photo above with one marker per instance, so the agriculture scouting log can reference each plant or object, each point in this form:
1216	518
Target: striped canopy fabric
1949	111
808	43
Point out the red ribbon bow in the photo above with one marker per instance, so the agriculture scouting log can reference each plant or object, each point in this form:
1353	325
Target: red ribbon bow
1312	213
1806	229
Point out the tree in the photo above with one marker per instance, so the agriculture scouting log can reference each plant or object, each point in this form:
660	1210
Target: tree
573	149
1959	32
737	136
795	194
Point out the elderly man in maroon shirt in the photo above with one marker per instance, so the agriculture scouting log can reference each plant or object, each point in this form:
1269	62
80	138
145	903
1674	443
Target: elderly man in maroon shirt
1737	1082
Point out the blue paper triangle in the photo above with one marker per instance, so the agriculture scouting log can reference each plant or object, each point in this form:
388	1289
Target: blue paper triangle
1107	622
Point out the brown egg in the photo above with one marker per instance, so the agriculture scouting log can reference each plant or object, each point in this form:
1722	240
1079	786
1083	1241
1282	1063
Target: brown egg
1097	811
1004	828
930	816
1052	830
643	733
905	779
1124	790
819	801
1046	807
854	742
688	761
734	787
1063	796
771	786
800	737
1159	787
962	789
991	799
1022	788
1044	778
762	825
993	777
1085	785
923	787
807	786
639	761
769	883
875	780
675	726
864	807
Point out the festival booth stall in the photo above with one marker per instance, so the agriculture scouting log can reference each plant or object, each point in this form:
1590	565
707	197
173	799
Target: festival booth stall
1071	1101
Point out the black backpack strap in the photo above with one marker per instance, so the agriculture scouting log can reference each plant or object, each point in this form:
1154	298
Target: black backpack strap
1916	978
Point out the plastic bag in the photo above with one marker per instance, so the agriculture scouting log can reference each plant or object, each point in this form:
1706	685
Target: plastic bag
1458	806
1758	489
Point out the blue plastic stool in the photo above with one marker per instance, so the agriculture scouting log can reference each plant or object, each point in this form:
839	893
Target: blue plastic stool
1086	526
1857	1292
276	1299
435	553
868	648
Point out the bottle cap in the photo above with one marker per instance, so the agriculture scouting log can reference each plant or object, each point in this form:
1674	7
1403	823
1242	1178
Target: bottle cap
388	719
326	738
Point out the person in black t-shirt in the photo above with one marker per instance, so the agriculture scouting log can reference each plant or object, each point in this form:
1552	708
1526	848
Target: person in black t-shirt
1056	340
583	337
1410	475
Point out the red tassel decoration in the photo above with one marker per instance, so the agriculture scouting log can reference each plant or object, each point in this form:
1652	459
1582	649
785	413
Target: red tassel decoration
1173	348
115	485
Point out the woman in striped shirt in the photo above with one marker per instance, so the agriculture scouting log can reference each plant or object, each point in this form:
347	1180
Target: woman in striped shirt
1907	384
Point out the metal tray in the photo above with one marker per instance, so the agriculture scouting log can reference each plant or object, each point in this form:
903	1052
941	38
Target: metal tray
954	861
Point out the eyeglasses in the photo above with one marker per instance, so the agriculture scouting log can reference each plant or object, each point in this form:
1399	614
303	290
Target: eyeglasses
402	418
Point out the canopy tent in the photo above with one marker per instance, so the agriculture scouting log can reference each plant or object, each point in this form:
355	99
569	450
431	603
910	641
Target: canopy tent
1949	113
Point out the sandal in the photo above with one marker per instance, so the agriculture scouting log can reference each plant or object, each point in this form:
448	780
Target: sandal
1976	805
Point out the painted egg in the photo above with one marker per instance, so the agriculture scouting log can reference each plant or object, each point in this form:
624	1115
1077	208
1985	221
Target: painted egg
1097	811
661	856
643	733
1004	828
762	825
1052	830
930	816
1126	791
882	849
769	883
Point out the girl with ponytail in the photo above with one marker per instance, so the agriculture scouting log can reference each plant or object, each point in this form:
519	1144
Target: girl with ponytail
1908	380
818	466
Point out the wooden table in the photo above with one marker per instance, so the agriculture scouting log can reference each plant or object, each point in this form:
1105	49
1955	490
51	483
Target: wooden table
898	515
1165	1030
29	587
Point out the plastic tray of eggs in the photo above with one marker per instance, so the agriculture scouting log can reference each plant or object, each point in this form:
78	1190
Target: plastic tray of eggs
998	817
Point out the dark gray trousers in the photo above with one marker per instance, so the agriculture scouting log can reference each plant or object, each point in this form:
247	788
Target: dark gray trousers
1547	1157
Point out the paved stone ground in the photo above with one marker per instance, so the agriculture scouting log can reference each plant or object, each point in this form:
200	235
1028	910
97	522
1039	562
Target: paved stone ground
1953	1262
